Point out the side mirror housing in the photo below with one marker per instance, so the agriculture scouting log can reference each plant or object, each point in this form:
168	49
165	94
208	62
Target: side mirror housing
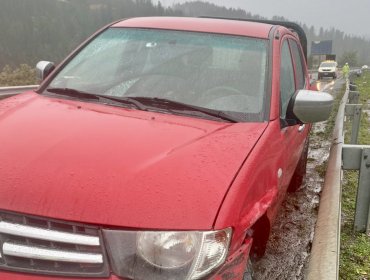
43	69
309	106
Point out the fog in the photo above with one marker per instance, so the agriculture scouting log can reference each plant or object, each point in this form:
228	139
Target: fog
352	17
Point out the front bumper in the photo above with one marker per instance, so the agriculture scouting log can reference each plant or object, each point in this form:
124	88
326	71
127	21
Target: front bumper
327	74
232	269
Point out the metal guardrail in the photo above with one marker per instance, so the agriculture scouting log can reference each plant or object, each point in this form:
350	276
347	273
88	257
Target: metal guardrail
9	91
324	259
357	157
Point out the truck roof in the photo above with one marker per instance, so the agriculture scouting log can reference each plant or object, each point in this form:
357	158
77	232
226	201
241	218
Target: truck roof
210	25
256	28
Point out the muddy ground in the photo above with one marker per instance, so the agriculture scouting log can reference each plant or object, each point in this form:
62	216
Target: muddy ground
289	247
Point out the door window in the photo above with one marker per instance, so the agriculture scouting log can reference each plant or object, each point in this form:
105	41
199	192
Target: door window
299	69
287	84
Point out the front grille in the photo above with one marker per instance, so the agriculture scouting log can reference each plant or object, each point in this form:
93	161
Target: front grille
43	246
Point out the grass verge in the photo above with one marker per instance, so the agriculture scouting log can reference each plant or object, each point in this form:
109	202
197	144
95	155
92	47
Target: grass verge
355	247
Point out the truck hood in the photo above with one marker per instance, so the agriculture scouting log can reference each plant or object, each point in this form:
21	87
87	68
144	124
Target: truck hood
112	166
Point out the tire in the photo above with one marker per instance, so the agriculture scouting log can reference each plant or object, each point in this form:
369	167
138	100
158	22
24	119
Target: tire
249	273
300	171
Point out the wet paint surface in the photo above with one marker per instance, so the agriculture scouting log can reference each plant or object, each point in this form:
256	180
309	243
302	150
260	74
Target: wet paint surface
101	164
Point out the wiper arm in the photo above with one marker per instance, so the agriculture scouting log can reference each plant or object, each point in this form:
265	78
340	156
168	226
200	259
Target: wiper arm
92	96
179	106
125	100
73	93
138	102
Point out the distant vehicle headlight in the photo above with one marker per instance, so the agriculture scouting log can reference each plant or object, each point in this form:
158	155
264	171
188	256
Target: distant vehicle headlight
165	255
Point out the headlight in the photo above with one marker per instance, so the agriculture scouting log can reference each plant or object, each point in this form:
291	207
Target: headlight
167	249
165	255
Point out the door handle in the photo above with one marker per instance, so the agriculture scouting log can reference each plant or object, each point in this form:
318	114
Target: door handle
301	128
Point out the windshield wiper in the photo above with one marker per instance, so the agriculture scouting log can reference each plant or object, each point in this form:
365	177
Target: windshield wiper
139	102
125	100
92	96
73	93
179	106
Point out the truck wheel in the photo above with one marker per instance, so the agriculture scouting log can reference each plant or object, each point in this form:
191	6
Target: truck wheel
300	170
249	274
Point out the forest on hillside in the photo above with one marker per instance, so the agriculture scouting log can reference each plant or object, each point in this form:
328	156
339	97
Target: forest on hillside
345	46
33	30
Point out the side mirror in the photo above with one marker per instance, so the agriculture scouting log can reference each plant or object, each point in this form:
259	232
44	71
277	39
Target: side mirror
309	106
43	69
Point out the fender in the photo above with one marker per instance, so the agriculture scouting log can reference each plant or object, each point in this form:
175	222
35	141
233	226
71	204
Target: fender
256	190
259	209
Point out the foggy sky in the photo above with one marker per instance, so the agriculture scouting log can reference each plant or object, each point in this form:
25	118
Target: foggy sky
352	17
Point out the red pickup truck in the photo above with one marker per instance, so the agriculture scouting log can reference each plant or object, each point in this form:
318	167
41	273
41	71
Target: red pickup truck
160	149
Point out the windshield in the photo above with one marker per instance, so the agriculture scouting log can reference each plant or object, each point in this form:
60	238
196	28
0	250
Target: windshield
328	64
218	72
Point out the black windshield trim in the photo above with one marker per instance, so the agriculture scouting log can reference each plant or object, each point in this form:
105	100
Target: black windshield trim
173	105
154	104
77	94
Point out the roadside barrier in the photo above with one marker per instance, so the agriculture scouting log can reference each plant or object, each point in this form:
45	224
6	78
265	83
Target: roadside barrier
324	260
357	157
9	91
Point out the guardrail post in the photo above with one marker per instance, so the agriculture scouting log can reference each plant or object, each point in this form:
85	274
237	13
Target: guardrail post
363	194
353	97
357	157
354	111
356	124
352	87
368	223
